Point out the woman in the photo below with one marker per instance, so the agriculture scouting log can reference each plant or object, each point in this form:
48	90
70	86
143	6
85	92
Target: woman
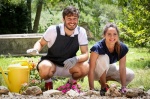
104	55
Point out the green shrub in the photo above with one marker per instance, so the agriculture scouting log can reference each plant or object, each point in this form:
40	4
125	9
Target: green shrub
13	18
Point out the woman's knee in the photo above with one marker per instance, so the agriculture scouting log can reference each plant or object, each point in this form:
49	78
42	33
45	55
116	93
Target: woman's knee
103	59
102	63
130	76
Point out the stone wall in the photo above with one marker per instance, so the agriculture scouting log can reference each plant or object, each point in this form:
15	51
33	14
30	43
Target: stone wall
18	43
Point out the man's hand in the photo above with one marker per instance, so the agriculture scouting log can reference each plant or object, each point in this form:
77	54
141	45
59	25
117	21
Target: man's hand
123	89
69	63
32	51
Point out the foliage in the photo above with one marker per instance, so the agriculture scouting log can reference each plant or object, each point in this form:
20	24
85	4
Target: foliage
13	18
94	15
132	16
98	16
135	22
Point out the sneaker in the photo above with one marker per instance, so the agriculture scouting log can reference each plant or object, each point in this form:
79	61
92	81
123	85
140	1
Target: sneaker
104	90
48	85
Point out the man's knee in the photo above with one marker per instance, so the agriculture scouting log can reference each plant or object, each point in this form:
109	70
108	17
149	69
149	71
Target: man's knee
80	71
85	68
45	70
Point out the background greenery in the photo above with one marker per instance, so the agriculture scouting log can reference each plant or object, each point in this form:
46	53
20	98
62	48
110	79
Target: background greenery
131	16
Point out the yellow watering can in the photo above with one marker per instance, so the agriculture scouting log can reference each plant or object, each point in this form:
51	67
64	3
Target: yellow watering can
17	75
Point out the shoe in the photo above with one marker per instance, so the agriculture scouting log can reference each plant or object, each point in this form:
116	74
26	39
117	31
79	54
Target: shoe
48	85
104	90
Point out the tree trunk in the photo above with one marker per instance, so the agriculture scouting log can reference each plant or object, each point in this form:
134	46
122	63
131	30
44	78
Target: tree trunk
37	17
29	15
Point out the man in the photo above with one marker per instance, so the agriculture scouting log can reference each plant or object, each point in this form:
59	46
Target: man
63	40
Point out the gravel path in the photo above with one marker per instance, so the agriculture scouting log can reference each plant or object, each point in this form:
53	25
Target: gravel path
65	96
35	92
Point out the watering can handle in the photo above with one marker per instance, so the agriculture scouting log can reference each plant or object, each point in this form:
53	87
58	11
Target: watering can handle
15	61
5	78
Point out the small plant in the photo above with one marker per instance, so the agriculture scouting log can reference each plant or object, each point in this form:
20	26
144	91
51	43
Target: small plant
24	86
34	80
70	85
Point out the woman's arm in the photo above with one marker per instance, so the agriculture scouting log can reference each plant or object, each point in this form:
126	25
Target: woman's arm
122	70
93	58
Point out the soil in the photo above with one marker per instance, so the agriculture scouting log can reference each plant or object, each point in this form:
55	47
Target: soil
57	95
66	97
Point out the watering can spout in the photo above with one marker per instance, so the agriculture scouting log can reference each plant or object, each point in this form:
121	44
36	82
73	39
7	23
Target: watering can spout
5	77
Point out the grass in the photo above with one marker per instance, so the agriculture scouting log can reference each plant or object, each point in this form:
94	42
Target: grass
138	59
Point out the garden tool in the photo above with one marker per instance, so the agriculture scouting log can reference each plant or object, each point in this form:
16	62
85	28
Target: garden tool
17	75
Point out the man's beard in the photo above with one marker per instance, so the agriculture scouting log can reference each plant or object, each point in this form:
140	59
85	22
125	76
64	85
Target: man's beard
71	29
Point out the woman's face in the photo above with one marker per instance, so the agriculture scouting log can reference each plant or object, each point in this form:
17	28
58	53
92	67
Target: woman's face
111	36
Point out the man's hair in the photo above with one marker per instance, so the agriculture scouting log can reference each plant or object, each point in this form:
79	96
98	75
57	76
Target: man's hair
70	11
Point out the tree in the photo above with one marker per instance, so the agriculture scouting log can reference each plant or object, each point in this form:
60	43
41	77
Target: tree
29	15
37	17
136	20
39	5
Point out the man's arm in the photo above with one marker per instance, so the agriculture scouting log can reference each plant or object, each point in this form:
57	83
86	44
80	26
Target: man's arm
84	54
37	47
40	44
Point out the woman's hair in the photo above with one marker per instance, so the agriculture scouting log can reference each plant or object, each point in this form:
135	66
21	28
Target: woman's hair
117	44
70	10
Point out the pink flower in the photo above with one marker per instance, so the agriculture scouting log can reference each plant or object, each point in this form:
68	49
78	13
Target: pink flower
73	82
79	86
74	87
77	90
59	88
64	91
63	87
68	85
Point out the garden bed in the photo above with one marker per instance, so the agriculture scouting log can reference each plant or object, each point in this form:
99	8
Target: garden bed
54	94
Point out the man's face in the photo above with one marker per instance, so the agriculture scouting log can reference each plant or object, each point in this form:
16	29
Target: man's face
71	21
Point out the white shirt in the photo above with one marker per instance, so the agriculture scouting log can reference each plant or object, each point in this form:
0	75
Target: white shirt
51	34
